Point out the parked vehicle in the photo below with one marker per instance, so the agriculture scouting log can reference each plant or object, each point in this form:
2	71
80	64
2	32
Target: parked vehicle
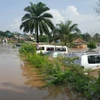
48	48
17	44
88	60
55	54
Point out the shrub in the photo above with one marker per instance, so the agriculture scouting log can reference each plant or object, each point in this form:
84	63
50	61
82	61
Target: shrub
21	41
93	89
37	60
27	48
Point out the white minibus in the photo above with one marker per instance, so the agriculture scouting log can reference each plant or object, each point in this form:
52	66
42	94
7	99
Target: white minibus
47	48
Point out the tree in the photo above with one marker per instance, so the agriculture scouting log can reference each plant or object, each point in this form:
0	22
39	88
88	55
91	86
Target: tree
50	37
96	37
91	45
97	8
37	19
1	33
66	30
86	36
43	38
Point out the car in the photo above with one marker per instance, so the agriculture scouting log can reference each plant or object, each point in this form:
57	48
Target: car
55	54
87	60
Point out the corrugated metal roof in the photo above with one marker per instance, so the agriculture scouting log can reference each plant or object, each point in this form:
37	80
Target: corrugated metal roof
79	40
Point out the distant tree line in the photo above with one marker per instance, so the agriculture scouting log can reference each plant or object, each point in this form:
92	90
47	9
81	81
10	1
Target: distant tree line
85	36
8	34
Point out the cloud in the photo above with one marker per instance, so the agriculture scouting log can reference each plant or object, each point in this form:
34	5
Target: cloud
71	10
57	17
86	23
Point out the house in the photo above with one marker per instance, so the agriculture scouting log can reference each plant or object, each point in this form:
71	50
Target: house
79	43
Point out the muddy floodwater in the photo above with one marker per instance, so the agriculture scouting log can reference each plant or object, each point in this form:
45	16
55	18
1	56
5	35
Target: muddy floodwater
17	82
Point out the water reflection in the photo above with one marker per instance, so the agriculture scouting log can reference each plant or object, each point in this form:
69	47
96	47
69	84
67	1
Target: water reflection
31	73
61	93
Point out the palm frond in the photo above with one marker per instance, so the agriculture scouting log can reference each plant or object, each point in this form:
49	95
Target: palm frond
49	23
46	15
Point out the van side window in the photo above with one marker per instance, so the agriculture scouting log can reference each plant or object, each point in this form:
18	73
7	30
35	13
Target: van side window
94	59
50	49
60	49
57	49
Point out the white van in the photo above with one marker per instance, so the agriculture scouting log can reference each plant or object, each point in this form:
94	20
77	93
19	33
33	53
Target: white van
88	60
47	48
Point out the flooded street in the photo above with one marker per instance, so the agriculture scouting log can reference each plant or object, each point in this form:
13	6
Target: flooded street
17	82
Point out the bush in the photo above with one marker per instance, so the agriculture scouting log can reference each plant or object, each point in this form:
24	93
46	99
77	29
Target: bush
27	48
37	60
93	89
21	41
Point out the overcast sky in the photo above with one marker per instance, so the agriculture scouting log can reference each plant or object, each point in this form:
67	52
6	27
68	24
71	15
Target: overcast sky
79	11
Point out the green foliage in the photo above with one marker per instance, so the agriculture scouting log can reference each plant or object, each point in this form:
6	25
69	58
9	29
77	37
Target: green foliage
27	48
96	37
66	30
93	89
77	81
37	60
6	34
43	38
29	51
21	41
97	8
91	45
86	36
53	67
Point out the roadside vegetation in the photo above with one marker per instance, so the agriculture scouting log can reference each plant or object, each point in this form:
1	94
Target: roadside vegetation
56	72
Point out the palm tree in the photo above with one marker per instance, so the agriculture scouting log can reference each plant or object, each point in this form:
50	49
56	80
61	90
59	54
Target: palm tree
37	19
66	30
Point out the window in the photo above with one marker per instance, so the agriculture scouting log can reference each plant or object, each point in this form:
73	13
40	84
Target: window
94	59
50	49
40	48
60	49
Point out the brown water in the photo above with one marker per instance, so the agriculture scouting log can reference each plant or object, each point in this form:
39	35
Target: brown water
17	82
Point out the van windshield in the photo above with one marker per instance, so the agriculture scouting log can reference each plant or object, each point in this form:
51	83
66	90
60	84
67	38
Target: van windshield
40	48
94	59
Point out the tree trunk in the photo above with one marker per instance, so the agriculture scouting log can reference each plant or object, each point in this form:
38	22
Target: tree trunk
37	39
